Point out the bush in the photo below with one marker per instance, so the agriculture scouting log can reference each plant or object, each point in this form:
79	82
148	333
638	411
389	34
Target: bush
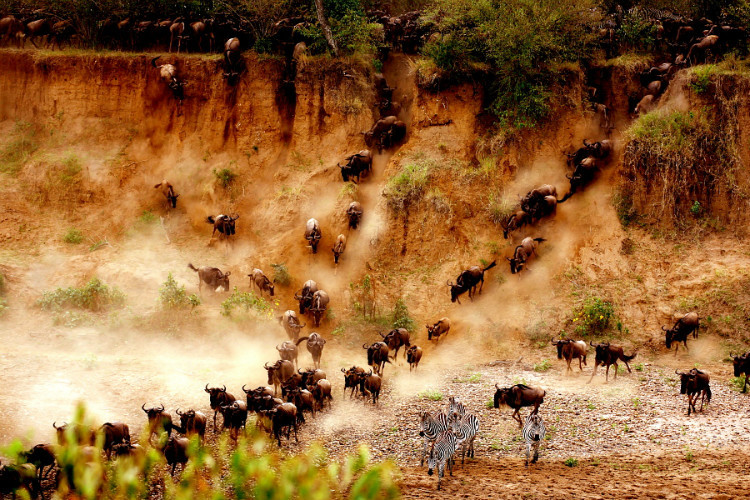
431	394
247	301
543	366
593	317
702	78
73	236
737	383
225	177
17	152
409	185
637	31
94	296
401	317
281	274
173	296
253	468
571	462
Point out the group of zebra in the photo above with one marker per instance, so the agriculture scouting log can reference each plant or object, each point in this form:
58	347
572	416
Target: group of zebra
445	433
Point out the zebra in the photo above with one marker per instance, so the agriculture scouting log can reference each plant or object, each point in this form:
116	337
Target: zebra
456	408
432	426
533	434
466	430
442	452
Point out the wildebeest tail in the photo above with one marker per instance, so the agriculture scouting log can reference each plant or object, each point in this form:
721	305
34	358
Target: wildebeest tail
191	266
153	61
708	393
493	264
210	219
629	358
539	240
301	339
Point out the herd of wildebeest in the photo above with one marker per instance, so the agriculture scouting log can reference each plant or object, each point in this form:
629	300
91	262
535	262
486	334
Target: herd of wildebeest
280	406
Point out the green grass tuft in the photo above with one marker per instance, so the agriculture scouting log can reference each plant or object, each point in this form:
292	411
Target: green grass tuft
94	296
73	236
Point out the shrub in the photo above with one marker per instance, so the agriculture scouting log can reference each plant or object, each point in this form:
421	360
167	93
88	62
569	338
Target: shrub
431	394
543	366
637	30
409	185
702	78
225	177
498	208
247	301
173	296
17	152
94	296
253	468
571	462
593	317
281	274
737	383
73	236
401	317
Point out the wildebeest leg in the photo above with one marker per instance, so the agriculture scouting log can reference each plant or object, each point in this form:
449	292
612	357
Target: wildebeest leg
744	387
481	284
596	365
517	416
627	365
607	378
580	366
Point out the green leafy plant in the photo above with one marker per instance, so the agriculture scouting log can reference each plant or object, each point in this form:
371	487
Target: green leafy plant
173	296
571	462
474	378
281	274
73	236
696	208
247	301
409	185
401	317
19	150
702	78
593	317
94	296
737	383
225	177
542	366
147	217
431	394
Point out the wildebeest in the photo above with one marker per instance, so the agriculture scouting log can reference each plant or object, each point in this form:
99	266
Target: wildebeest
338	248
354	213
303	400
313	234
278	373
703	47
645	105
217	398
468	281
40	456
114	433
175	452
234	416
158	421
694	384
225	224
351	379
607	355
413	357
288	350
260	280
395	339
442	327
19	477
168	191
192	423
356	165
321	391
583	174
305	296
377	356
318	306
283	417
255	397
569	350
310	377
681	331
168	73
212	276
369	385
180	30
11	29
741	366
315	344
232	59
540	202
291	324
38	28
514	222
599	150
385	133
521	254
518	396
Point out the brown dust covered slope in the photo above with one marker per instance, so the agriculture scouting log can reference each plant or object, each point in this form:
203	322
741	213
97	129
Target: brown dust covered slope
97	132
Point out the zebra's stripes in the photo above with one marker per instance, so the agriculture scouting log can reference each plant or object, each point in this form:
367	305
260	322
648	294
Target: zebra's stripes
432	426
442	452
533	434
456	408
466	430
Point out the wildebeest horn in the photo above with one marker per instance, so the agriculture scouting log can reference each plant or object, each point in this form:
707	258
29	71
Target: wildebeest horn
265	365
54	424
162	406
370	374
177	411
496	387
343	370
365	346
244	390
381	334
143	407
299	370
449	283
297	297
207	388
278	348
153	61
586	143
664	329
678	373
592	345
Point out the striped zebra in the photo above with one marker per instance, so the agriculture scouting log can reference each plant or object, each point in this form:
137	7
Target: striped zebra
466	430
432	426
456	408
442	452
533	434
